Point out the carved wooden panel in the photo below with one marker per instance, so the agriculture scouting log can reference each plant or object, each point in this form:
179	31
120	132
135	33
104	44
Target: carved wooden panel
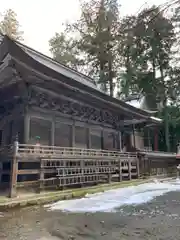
65	106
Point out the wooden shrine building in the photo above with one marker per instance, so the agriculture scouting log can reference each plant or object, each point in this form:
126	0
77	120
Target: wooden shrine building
48	105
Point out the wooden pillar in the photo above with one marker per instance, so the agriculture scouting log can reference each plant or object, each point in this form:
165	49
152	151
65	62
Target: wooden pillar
1	169
102	139
150	166
137	167
120	170
14	169
149	139
134	138
52	132
120	141
73	135
156	139
41	176
26	127
146	165
141	165
82	172
88	137
114	140
109	177
129	168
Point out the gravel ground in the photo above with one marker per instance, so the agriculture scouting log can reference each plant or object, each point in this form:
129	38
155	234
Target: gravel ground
157	220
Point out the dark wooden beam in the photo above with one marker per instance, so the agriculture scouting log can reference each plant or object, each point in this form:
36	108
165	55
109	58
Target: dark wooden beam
132	122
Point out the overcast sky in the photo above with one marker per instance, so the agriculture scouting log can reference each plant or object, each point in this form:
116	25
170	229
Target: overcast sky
40	19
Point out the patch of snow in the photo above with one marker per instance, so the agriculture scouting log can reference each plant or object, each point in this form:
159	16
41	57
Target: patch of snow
110	200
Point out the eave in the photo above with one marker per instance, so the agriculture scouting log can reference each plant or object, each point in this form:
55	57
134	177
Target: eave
85	96
57	67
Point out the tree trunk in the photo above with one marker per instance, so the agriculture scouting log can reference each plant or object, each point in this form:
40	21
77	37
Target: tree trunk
128	73
102	80
166	126
111	87
166	117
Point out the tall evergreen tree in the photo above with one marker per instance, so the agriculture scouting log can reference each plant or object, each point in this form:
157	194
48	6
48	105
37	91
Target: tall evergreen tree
10	25
145	50
127	54
96	31
159	38
65	50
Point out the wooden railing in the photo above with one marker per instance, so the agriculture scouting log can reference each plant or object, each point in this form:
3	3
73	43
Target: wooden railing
149	150
34	151
66	166
26	150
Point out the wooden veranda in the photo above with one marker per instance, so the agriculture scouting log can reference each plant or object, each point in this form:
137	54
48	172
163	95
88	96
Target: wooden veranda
56	167
52	167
